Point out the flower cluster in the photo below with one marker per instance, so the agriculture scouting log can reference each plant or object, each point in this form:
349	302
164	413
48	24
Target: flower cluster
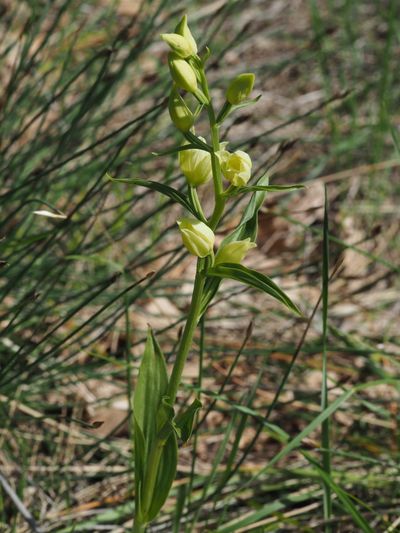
197	164
199	240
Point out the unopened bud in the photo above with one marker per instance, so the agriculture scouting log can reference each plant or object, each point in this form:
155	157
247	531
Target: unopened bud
234	252
240	88
235	167
179	112
196	166
182	73
183	29
179	44
197	237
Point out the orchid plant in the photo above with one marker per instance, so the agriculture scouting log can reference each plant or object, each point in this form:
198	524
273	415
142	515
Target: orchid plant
158	431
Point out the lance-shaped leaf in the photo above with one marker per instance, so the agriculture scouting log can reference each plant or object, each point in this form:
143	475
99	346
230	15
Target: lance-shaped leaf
174	195
150	389
266	188
252	278
249	223
165	476
154	432
247	227
184	421
210	290
140	465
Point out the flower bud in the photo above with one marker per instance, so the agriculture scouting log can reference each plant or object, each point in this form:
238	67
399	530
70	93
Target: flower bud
197	237
234	252
179	44
196	166
240	88
179	112
182	73
235	167
183	29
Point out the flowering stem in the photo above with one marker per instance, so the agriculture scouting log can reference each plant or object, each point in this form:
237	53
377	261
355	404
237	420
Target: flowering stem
138	527
216	169
188	332
219	207
184	347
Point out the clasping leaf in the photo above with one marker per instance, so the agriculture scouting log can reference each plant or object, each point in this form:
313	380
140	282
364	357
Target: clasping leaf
184	421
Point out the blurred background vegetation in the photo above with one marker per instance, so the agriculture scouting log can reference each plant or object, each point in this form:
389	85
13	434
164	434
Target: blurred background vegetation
83	93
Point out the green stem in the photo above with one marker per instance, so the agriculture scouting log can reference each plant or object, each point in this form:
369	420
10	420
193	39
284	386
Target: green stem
138	528
188	332
216	169
176	375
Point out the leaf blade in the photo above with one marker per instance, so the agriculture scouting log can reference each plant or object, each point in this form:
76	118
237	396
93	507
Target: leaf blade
150	389
253	279
173	194
165	477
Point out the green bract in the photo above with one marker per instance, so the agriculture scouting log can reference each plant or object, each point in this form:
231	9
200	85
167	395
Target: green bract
182	73
235	167
196	166
197	237
234	252
181	46
179	112
240	88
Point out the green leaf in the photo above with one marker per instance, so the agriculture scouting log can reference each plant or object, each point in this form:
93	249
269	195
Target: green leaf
249	223
151	387
195	204
174	195
165	476
210	290
248	227
184	421
175	150
266	188
140	464
198	143
254	279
